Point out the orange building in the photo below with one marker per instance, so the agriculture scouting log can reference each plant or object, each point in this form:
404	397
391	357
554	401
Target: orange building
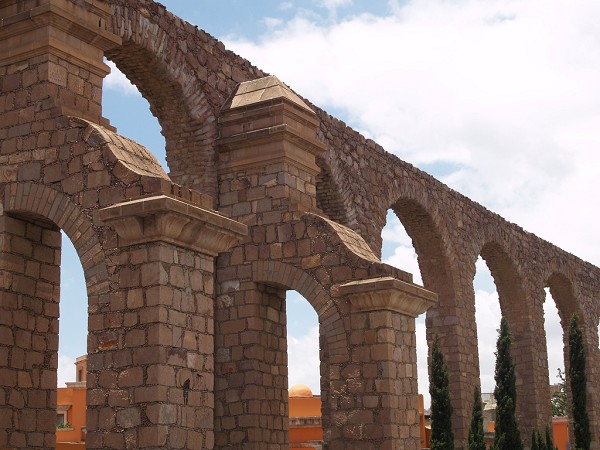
560	433
71	410
306	431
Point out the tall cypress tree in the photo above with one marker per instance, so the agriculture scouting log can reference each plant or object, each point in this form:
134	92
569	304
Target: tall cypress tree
549	439
476	436
507	436
581	423
442	437
535	442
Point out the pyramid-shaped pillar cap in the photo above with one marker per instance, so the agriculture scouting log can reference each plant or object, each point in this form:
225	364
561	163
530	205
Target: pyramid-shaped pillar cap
263	90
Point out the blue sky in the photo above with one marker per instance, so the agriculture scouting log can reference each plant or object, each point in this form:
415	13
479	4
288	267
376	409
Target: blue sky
498	99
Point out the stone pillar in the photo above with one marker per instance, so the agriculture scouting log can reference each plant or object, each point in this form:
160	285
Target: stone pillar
52	59
267	177
29	292
151	356
380	410
453	321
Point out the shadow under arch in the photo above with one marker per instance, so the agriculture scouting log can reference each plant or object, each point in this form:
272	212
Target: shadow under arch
331	197
40	204
431	247
332	332
506	277
564	297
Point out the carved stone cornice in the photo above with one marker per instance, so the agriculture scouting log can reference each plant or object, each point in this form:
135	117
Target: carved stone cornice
387	293
167	219
75	32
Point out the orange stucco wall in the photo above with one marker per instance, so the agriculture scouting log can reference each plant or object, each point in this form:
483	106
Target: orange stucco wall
76	416
560	431
305	407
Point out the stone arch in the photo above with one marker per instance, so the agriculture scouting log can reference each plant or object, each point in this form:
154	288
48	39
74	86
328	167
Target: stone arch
452	319
42	204
332	332
524	312
330	197
507	278
431	245
32	215
563	293
290	277
186	75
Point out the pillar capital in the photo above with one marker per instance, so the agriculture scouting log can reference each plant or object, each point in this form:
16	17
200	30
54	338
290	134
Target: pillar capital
167	219
387	293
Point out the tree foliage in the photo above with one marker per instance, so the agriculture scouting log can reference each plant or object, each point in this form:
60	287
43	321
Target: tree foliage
507	435
549	439
577	376
535	440
476	436
559	398
442	436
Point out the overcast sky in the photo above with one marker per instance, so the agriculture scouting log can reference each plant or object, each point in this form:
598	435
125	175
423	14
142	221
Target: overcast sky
498	99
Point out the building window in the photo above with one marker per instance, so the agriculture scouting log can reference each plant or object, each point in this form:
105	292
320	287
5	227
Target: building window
61	420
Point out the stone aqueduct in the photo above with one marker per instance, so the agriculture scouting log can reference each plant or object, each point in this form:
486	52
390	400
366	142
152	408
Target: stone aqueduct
186	273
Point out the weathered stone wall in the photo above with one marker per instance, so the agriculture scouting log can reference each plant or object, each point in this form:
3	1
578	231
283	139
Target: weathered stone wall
57	172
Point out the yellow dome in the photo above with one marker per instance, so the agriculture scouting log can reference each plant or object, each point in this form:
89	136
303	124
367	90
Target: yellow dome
300	390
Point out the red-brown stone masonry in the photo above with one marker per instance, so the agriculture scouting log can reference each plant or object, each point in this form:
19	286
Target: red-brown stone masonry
309	254
186	75
37	89
377	388
151	384
364	180
29	325
361	181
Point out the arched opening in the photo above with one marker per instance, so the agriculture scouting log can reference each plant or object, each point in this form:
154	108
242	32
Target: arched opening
72	348
130	113
302	342
527	349
31	241
559	307
556	356
30	305
445	320
397	250
304	380
72	342
487	316
152	60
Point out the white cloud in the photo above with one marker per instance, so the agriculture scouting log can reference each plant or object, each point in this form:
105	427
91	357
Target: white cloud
487	314
502	95
332	5
117	81
554	338
422	370
505	91
66	370
272	22
303	360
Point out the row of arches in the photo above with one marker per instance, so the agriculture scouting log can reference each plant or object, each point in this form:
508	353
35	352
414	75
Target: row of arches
495	285
447	267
